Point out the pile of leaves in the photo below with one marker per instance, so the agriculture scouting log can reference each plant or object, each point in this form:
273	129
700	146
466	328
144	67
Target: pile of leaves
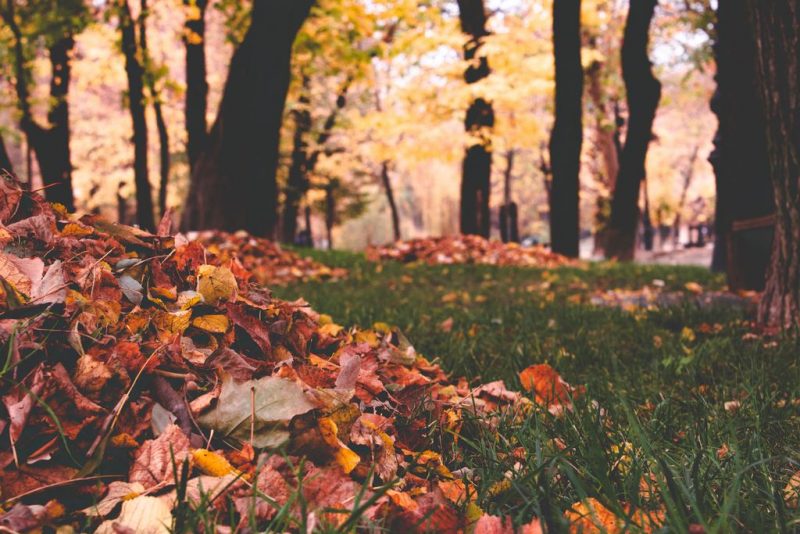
268	263
470	249
148	385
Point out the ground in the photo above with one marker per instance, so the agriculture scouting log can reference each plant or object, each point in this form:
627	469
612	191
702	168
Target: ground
687	408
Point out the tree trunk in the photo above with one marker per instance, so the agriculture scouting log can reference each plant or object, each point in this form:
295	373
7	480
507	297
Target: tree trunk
643	94
567	135
5	159
330	211
776	26
233	183
479	121
688	174
161	125
739	158
509	228
298	180
51	144
136	106
303	163
196	105
387	186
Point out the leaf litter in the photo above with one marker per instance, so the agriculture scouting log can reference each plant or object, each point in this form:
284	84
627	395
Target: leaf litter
144	375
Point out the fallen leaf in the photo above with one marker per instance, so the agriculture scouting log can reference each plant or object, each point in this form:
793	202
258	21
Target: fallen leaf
153	462
274	401
216	284
142	515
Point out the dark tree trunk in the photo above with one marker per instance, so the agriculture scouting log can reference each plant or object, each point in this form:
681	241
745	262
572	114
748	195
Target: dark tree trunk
509	227
303	163
51	143
298	179
387	186
567	135
136	106
5	159
643	94
479	121
161	125
740	151
233	183
776	26
196	84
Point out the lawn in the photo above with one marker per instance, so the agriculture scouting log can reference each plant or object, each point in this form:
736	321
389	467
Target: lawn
686	411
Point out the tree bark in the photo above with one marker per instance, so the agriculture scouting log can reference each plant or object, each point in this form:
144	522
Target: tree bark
567	135
509	227
196	105
477	166
51	143
161	124
776	26
387	186
303	162
739	157
643	94
297	182
5	159
688	174
233	184
136	106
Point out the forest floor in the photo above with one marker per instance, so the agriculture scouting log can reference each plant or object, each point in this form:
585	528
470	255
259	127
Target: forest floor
688	408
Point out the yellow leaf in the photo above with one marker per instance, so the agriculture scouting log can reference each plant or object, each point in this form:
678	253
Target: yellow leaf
216	284
694	287
216	324
330	329
345	457
168	324
211	463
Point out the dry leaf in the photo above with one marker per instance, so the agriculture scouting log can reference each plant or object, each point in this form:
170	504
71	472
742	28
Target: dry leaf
153	462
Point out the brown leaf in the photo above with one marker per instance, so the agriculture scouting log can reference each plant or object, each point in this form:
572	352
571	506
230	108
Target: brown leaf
153	463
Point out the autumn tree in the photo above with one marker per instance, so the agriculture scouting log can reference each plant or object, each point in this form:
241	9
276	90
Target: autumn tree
643	92
135	72
776	29
234	180
196	102
567	135
479	120
54	24
152	76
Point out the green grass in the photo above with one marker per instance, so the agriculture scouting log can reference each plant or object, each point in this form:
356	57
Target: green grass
655	387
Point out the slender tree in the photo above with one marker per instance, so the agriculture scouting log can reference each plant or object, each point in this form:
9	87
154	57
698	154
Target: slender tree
5	159
233	182
136	105
386	180
151	78
509	226
776	27
643	92
479	121
194	39
304	161
50	143
567	135
151	81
